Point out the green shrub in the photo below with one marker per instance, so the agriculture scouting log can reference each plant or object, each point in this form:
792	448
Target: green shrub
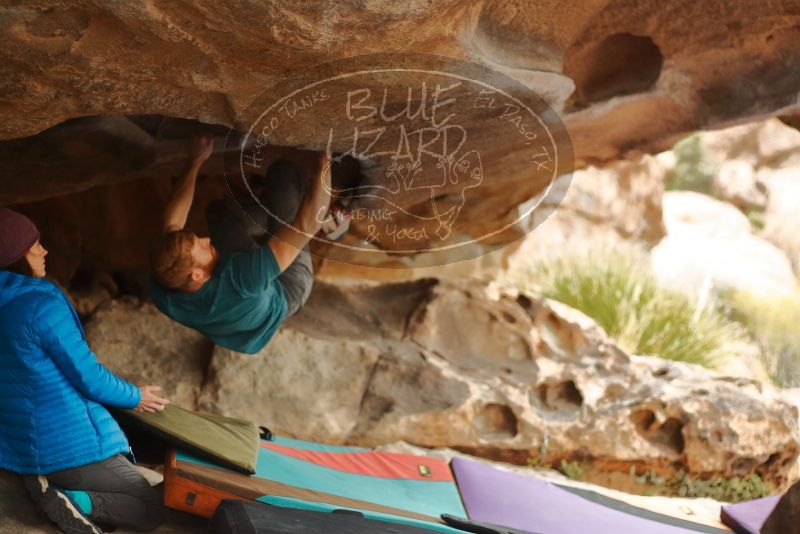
691	172
572	470
617	291
734	489
775	325
757	219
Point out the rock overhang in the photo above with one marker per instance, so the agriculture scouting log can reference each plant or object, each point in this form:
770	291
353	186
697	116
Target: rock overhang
624	79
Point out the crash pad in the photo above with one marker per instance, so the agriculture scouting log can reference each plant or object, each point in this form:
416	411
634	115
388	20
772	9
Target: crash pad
229	442
503	497
402	488
748	517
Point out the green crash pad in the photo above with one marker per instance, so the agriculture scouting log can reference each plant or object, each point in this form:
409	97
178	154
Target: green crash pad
232	443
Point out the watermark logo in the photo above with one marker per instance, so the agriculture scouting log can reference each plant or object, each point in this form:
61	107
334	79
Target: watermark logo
431	155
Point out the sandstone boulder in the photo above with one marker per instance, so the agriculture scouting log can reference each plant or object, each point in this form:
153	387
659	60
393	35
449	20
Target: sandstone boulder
499	374
709	245
736	182
298	385
612	207
143	346
782	216
755	168
85	88
768	143
171	60
689	213
626	196
776	142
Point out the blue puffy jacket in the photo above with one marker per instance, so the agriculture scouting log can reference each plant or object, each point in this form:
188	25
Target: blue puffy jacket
51	385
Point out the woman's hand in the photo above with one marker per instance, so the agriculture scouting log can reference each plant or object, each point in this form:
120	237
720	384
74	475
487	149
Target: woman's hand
151	403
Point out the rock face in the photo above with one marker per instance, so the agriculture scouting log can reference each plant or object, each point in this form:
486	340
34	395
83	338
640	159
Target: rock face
650	70
782	216
143	346
769	144
737	183
625	80
756	169
487	371
709	245
316	395
601	208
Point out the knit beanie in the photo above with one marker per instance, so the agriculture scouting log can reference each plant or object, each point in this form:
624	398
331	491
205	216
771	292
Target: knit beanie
17	235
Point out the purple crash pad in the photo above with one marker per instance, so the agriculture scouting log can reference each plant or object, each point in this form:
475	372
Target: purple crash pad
748	517
502	497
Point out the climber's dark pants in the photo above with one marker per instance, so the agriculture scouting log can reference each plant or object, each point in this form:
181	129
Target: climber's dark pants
121	496
241	224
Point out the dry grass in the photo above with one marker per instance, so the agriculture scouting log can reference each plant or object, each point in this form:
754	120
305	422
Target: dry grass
775	325
618	292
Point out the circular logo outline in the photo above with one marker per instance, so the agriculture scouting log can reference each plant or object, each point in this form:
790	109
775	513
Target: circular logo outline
544	194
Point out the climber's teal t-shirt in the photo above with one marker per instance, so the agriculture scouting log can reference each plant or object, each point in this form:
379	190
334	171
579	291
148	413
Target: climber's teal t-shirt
240	307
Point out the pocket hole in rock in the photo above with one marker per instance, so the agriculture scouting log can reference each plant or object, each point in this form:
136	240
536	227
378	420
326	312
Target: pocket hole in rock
560	395
496	421
621	64
668	434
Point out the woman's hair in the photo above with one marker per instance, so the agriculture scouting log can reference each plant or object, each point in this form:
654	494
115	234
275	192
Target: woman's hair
21	266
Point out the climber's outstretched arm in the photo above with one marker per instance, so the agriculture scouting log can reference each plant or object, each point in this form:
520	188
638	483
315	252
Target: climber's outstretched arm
287	242
180	200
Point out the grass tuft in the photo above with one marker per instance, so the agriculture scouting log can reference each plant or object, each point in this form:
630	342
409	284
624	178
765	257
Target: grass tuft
571	470
617	291
773	324
733	489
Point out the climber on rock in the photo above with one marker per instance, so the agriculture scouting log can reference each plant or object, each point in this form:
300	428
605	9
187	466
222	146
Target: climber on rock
254	270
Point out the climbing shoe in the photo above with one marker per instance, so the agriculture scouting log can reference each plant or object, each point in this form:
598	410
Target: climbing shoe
59	507
336	223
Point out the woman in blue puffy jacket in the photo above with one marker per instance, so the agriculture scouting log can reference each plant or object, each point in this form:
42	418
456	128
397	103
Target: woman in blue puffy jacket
54	429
